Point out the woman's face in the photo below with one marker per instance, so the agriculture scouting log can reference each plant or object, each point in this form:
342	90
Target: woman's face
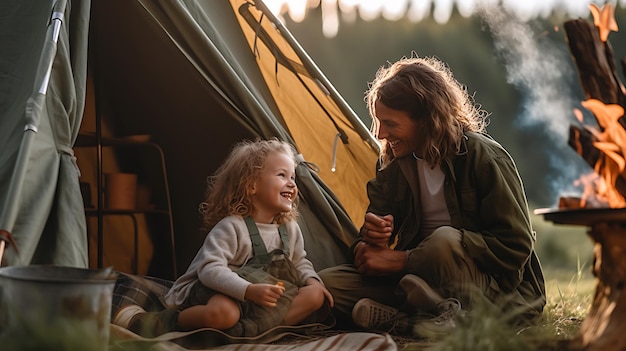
399	130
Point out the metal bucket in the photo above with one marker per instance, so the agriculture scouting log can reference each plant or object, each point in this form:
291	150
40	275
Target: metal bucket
55	307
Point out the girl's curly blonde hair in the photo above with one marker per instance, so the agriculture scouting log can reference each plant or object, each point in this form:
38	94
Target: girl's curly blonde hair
228	190
425	88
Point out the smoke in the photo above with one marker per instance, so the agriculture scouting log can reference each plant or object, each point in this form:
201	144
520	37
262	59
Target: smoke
541	71
537	68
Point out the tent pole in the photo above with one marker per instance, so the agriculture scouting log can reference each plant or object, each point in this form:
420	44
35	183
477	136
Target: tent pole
99	197
93	57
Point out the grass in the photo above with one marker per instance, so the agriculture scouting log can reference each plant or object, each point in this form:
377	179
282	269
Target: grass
486	326
568	300
566	253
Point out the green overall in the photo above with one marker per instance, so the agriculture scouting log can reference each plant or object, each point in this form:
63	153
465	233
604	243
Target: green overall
268	268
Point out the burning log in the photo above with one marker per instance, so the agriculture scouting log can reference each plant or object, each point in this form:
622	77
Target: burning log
604	150
595	63
581	140
593	56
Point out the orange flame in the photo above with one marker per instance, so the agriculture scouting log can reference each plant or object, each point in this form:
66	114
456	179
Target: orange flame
600	187
604	19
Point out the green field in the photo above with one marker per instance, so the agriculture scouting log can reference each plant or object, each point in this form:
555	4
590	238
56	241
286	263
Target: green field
562	246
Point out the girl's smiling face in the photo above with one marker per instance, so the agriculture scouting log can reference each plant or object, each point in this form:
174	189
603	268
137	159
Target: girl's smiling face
275	190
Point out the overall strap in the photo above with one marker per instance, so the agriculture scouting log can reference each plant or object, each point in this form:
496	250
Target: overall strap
282	229
257	243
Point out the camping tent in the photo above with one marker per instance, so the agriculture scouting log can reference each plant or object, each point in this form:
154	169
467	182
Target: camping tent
196	76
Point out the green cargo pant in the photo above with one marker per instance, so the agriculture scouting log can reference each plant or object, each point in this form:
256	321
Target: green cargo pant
442	263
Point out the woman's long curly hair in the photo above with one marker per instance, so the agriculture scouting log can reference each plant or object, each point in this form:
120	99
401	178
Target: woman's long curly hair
229	189
426	89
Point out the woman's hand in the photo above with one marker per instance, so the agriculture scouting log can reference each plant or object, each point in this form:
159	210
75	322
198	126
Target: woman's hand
264	294
376	260
377	230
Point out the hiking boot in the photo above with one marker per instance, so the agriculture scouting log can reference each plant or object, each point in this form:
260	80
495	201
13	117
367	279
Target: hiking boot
419	294
441	325
373	315
147	324
125	314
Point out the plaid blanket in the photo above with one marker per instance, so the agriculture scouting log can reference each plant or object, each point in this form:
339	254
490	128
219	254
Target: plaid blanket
148	292
337	341
144	291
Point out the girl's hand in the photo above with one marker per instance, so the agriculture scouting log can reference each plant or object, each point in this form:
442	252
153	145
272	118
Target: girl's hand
264	294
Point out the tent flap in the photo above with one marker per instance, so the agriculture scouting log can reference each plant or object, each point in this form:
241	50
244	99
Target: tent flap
46	112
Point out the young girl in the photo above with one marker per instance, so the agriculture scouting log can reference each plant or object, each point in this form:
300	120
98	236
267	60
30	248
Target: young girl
252	194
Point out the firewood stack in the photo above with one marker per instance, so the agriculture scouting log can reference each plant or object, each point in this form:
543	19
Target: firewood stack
605	323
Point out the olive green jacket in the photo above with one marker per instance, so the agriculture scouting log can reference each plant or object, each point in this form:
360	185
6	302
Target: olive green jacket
486	201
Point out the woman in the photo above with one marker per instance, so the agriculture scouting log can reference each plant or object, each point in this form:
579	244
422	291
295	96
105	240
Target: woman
448	217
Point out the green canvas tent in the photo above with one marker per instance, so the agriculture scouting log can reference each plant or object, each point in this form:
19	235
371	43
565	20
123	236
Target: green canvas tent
196	76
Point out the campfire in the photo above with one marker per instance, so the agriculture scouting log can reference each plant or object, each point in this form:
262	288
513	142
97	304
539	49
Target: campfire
602	146
602	204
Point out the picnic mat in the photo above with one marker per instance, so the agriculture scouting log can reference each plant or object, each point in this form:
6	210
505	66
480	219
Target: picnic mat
124	340
148	292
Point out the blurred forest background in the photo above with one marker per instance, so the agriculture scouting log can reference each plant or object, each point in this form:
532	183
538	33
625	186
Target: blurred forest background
522	73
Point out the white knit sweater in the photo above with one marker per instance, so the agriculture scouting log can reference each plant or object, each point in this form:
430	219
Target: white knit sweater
226	248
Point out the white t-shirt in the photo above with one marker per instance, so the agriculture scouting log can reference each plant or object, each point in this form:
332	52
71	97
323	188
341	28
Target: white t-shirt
434	209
